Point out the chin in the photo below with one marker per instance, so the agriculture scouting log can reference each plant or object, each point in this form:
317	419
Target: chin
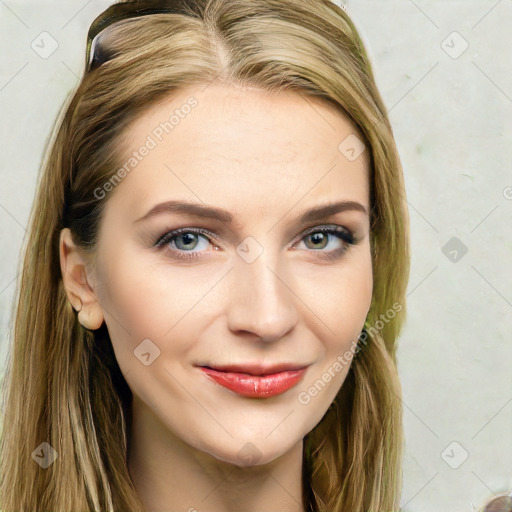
250	453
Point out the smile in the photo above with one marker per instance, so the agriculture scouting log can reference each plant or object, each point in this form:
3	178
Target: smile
254	386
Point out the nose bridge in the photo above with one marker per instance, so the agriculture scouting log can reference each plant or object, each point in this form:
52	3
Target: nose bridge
262	302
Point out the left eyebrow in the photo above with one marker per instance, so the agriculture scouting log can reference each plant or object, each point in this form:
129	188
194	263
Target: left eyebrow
198	210
322	212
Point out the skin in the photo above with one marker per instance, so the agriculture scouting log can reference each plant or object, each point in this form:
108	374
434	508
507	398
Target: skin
266	158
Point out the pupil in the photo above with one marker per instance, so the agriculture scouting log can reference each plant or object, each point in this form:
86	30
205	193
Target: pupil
318	237
188	237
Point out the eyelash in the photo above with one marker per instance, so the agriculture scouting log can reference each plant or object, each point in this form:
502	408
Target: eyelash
339	231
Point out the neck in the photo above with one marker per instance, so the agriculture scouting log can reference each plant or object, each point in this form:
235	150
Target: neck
169	474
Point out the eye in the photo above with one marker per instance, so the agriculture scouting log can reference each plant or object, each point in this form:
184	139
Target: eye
321	236
190	243
185	239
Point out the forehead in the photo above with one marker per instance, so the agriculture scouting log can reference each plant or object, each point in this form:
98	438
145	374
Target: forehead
242	144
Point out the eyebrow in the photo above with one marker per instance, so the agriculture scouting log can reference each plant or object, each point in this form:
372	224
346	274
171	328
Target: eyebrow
209	212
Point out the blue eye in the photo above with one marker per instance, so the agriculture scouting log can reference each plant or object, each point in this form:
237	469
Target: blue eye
179	241
183	239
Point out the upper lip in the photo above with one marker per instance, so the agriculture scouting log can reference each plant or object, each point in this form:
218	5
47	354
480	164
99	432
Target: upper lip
256	368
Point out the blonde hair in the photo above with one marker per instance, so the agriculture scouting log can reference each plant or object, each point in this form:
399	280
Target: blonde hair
62	383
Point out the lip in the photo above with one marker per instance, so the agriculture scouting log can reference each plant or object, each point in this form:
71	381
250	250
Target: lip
256	369
256	381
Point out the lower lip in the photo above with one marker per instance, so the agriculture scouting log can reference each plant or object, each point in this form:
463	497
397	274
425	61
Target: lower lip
256	387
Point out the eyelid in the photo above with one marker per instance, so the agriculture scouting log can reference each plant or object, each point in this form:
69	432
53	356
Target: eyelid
337	227
209	234
193	229
342	233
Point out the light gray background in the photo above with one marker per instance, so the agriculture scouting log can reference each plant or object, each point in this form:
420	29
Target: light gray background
451	111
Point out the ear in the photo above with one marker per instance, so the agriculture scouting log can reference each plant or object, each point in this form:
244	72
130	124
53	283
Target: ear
75	278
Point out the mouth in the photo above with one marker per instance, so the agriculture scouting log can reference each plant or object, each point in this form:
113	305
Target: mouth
256	381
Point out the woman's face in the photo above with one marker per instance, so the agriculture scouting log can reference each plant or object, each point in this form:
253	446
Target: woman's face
243	284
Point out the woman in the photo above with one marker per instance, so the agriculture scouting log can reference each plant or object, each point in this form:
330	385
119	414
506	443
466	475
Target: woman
257	370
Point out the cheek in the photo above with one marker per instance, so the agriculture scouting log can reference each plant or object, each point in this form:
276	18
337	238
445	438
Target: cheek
171	305
341	296
343	308
144	300
132	307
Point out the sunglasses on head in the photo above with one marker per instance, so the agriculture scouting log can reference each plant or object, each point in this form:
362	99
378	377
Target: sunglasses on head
96	54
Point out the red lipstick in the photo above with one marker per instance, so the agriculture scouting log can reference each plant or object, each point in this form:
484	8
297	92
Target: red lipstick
256	381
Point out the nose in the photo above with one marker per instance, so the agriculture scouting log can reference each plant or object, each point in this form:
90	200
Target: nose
261	300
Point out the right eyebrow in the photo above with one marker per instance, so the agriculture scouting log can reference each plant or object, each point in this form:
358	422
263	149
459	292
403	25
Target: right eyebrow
199	210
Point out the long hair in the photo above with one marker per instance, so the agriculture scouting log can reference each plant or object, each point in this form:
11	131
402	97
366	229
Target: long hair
62	384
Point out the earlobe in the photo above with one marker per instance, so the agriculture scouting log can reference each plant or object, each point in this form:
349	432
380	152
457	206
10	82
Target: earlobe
73	264
91	318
